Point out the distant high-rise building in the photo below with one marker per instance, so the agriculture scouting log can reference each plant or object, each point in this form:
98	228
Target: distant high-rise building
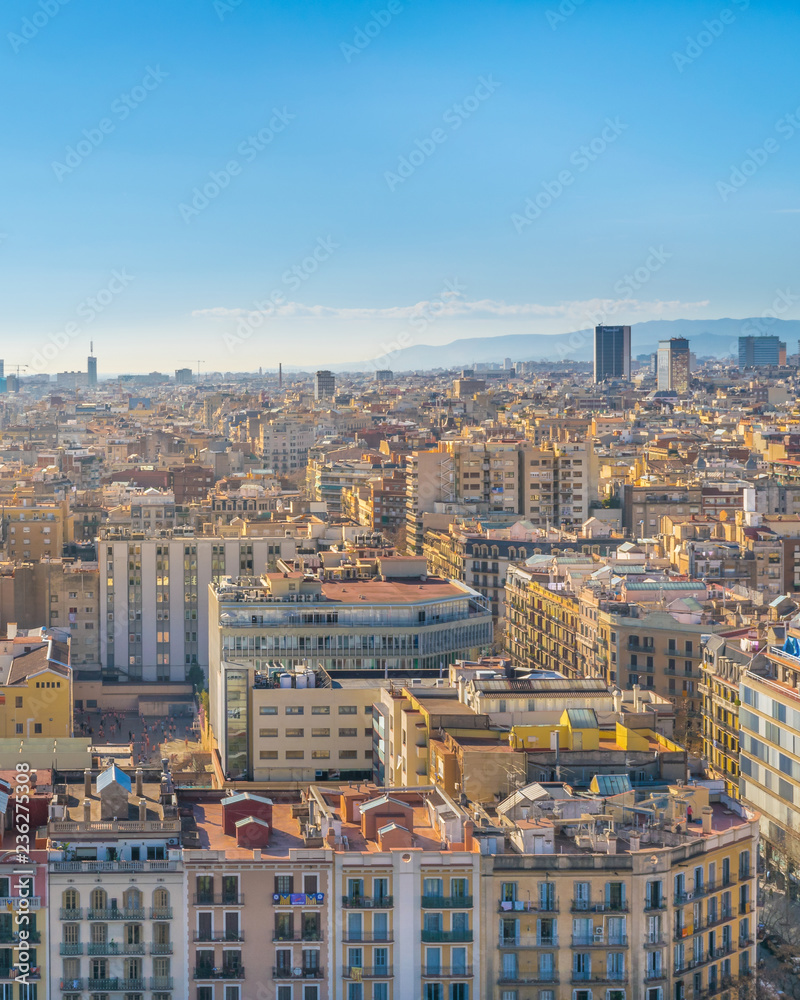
183	376
384	375
674	364
755	352
324	385
2	369
612	353
91	363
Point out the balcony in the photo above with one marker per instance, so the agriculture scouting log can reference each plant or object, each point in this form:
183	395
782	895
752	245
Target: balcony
310	935
71	985
71	913
71	949
33	937
443	937
530	906
161	948
114	948
111	985
367	902
359	937
446	902
161	913
599	941
579	906
218	899
212	936
368	971
284	972
655	941
443	972
533	941
161	982
745	908
528	979
655	975
113	913
14	902
599	977
223	972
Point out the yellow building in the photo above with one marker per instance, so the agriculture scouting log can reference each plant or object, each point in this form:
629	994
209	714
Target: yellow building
34	529
725	658
630	902
35	686
542	624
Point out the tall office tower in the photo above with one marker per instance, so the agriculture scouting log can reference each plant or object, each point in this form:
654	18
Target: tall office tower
2	369
612	352
674	364
758	351
91	363
183	376
324	385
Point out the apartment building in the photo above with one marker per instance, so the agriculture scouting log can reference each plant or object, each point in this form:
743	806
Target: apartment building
396	626
23	923
606	908
297	725
153	619
283	443
379	503
117	919
541	624
725	659
35	529
35	684
769	757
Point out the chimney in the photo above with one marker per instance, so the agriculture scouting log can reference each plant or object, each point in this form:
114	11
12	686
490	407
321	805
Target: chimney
635	842
11	631
142	810
256	854
87	810
87	782
139	778
612	843
707	812
469	841
636	697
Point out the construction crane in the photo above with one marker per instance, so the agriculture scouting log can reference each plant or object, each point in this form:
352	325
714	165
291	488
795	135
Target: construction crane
196	361
18	368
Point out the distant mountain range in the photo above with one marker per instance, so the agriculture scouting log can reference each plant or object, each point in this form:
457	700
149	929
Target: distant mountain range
715	338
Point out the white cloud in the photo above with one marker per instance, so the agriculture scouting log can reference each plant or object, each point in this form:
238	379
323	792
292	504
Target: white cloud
455	306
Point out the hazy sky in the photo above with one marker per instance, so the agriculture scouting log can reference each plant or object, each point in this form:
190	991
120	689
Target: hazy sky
248	182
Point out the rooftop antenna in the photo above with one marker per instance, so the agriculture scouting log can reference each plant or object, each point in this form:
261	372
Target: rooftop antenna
280	375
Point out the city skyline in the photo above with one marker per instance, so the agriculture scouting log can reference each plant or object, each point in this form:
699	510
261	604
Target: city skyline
387	172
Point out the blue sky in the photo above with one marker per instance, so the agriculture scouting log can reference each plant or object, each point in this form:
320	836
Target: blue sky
366	184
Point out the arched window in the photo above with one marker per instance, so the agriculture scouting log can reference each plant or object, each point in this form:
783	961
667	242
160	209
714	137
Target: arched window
71	899
160	900
512	553
523	553
132	899
98	899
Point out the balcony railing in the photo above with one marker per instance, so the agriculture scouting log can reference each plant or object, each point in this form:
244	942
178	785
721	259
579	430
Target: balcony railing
71	985
580	906
114	948
211	936
446	972
599	941
368	971
446	902
218	899
71	949
110	985
15	902
527	978
71	913
221	972
161	948
357	937
367	902
531	941
161	913
161	982
445	936
113	913
310	935
529	906
284	972
599	977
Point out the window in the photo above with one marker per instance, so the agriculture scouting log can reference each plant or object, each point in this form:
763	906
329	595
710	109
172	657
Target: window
268	733
348	755
268	710
320	754
348	710
320	709
294	733
294	709
267	754
320	732
348	733
295	754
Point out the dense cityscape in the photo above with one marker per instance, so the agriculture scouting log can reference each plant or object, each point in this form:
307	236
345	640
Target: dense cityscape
444	684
